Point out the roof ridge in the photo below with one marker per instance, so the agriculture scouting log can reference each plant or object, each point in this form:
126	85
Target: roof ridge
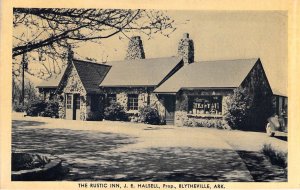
255	58
144	59
90	62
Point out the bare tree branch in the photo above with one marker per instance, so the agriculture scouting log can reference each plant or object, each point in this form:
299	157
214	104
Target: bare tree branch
36	30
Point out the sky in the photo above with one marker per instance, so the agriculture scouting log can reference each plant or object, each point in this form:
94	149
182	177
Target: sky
217	35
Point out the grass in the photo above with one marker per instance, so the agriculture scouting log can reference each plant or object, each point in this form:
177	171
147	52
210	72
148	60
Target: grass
276	157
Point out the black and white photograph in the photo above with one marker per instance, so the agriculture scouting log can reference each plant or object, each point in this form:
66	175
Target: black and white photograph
149	95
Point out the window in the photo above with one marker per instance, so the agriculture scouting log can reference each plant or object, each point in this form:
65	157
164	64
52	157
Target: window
69	101
111	98
205	105
133	102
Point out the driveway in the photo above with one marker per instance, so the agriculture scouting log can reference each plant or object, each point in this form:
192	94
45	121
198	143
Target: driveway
121	151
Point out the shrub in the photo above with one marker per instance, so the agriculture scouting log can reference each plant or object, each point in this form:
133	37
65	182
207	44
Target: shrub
115	112
19	108
206	122
276	157
94	116
246	111
51	109
238	108
35	107
134	117
149	115
45	109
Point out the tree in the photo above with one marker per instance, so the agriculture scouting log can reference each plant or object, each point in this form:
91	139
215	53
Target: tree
45	34
30	91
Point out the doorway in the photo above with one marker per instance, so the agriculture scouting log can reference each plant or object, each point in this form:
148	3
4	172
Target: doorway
169	102
73	106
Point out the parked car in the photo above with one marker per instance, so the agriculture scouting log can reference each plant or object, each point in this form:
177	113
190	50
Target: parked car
276	124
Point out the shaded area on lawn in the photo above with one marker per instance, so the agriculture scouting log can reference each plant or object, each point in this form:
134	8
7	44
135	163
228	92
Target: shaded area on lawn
260	167
94	155
175	164
80	149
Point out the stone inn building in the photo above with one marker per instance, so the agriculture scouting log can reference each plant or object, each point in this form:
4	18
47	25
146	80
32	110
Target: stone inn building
178	87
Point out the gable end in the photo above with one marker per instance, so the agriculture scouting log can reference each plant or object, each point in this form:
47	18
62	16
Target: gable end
71	82
256	80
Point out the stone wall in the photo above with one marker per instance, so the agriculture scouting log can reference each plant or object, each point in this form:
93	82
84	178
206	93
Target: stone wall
122	94
158	103
85	107
142	99
224	104
143	93
122	99
180	118
61	106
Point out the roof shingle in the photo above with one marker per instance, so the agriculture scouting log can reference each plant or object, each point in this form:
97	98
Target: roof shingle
91	74
53	82
139	72
207	74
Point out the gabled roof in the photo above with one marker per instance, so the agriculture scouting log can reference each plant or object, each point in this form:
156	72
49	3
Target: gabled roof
139	72
208	74
53	82
91	74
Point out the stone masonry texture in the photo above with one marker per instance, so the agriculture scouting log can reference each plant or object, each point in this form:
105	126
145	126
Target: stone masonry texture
186	49
135	49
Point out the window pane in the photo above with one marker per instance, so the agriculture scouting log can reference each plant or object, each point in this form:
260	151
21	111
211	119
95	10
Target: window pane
69	101
132	102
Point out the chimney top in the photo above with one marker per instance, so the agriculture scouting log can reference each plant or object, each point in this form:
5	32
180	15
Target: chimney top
135	38
186	35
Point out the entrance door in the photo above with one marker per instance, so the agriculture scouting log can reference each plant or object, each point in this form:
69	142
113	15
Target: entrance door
69	106
72	106
76	107
169	102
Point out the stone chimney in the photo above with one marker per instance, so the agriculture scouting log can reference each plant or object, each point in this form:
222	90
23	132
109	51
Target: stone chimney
186	49
135	49
70	54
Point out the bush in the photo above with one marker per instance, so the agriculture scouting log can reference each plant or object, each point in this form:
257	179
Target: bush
115	112
149	115
206	122
247	111
19	108
94	116
51	109
238	108
35	107
276	157
45	109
